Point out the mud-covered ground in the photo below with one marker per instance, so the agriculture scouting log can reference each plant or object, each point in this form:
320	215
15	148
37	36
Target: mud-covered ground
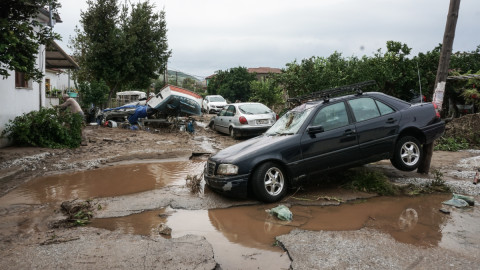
27	239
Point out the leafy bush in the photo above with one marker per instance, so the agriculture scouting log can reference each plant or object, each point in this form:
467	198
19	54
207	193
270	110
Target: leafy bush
45	128
451	144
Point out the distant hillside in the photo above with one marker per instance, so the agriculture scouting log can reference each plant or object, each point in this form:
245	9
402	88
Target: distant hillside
179	76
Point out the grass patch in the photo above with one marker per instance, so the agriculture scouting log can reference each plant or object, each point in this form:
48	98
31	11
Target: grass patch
451	144
367	180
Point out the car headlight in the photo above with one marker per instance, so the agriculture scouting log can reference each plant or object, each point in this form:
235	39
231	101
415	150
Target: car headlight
227	169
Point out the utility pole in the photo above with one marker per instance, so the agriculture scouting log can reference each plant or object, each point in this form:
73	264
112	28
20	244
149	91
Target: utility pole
442	73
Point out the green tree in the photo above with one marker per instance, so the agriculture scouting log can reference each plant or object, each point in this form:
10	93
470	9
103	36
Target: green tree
125	47
266	92
393	71
232	84
21	35
188	83
94	93
146	45
99	46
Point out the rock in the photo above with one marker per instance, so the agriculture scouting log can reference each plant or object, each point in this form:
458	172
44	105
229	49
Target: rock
164	229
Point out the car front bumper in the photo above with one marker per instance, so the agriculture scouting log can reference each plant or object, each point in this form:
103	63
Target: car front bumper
234	186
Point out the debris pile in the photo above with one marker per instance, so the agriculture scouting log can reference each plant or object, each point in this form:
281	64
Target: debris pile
460	201
466	127
194	183
78	214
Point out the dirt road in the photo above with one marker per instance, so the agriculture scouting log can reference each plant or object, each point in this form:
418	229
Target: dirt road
27	239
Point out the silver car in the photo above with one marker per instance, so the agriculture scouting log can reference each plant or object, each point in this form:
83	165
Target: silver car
243	119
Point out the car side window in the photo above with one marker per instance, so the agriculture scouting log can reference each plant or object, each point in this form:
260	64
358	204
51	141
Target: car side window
331	117
230	111
364	108
222	112
384	109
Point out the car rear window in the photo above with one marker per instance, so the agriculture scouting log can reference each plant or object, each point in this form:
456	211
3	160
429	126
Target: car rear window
254	109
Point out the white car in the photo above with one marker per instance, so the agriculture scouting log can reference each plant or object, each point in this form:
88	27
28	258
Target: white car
243	119
213	103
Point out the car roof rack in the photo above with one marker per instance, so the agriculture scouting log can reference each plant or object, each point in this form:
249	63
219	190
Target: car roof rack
327	94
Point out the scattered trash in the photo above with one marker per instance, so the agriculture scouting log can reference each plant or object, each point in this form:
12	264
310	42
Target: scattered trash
459	203
110	123
54	240
469	199
445	211
78	214
281	212
194	183
190	126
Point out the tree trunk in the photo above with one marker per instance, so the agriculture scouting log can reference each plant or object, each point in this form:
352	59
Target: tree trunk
442	73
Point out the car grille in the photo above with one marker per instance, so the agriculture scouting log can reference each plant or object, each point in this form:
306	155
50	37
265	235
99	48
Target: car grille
211	168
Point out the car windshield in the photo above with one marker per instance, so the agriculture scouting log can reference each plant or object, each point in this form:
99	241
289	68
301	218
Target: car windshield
254	109
217	99
290	122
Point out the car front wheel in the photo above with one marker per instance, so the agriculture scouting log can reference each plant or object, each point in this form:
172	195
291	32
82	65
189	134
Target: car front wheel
269	182
408	153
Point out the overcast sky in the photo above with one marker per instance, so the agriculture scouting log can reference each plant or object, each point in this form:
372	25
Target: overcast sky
210	35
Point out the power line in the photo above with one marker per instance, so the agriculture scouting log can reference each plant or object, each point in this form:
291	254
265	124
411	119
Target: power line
196	76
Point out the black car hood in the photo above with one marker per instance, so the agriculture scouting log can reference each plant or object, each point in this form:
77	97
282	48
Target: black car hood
248	148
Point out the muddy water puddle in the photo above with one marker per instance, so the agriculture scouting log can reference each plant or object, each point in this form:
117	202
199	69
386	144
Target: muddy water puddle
239	232
104	182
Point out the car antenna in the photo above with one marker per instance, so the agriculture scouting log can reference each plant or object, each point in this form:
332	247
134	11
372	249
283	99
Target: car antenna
420	84
326	94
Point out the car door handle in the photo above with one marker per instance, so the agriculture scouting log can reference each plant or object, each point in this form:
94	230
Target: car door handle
349	132
391	120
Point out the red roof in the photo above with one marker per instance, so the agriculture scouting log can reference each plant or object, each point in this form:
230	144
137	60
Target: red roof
264	70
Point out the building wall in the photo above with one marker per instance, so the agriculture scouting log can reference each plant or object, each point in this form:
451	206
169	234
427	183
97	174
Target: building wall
17	101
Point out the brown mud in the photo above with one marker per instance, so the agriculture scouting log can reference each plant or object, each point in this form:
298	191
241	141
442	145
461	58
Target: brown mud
137	181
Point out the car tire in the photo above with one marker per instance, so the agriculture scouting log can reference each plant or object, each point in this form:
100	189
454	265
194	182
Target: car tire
408	154
269	182
233	133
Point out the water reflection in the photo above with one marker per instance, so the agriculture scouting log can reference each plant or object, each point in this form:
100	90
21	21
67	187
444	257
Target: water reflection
239	233
413	220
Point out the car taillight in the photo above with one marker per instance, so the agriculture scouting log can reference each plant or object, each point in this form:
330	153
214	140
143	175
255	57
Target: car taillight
437	113
243	120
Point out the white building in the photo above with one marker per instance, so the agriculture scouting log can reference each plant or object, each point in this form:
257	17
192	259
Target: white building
19	96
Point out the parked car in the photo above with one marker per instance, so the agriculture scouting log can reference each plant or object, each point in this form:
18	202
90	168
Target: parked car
243	119
321	136
213	103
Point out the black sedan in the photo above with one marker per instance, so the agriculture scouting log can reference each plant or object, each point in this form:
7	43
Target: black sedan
322	136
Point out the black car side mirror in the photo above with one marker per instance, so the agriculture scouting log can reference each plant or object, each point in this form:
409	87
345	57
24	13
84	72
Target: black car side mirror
315	129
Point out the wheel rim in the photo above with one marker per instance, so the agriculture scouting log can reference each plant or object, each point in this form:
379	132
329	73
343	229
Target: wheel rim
274	181
410	153
232	133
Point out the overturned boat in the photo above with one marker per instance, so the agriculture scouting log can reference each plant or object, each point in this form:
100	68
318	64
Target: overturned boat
170	101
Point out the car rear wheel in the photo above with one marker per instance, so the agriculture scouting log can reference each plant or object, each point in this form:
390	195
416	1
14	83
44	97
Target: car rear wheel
269	183
408	153
233	134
